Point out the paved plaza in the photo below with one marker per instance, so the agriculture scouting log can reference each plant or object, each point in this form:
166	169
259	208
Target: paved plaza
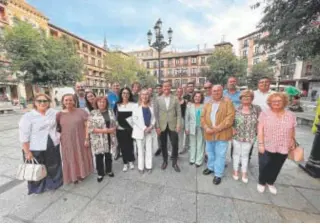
163	196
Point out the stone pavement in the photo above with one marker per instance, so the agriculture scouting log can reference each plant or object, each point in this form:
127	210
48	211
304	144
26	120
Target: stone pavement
163	196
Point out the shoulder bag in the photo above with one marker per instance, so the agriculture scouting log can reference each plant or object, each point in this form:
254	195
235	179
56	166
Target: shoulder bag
31	171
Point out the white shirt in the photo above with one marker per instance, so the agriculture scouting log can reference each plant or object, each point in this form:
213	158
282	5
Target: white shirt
35	128
214	110
167	101
260	99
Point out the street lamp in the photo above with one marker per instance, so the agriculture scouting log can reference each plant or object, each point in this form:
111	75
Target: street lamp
159	44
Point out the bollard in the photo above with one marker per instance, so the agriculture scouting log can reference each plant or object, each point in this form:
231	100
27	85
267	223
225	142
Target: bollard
312	167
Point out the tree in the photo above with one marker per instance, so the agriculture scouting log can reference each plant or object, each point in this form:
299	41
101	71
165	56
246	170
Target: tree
259	71
146	79
36	58
124	68
223	64
293	28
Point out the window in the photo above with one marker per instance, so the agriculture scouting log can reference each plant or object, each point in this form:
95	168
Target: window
161	73
203	60
177	61
176	82
170	72
194	71
184	81
162	64
93	61
170	62
256	50
155	72
193	60
99	54
185	61
245	43
86	59
85	48
148	64
177	71
245	53
154	64
99	63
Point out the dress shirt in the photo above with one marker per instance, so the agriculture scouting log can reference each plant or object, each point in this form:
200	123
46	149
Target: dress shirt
167	101
214	110
35	129
260	99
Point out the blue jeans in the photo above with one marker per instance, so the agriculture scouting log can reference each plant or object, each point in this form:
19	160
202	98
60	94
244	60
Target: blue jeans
216	151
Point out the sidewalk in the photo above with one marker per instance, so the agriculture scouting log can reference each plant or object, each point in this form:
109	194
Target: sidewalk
163	196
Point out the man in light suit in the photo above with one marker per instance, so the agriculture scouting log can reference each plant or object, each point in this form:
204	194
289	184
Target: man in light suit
168	116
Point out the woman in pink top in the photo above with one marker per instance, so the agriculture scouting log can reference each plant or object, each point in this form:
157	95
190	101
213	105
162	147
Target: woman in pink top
276	134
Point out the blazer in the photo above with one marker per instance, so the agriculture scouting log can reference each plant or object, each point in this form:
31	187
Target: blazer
168	117
190	119
138	122
224	120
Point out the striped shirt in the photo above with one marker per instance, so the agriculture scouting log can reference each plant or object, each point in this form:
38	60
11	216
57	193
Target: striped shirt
277	130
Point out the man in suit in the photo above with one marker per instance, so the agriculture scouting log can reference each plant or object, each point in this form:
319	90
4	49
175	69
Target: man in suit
168	116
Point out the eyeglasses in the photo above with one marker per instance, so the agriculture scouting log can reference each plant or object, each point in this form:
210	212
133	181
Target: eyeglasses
42	101
276	101
125	93
206	87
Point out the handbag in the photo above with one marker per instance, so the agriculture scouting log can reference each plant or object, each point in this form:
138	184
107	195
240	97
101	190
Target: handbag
31	171
297	153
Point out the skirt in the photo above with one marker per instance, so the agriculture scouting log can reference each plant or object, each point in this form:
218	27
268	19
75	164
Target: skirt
52	160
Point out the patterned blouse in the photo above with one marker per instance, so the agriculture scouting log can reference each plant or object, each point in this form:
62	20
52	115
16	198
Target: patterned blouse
99	142
246	124
277	131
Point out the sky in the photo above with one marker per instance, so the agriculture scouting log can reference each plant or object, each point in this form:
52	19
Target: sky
125	23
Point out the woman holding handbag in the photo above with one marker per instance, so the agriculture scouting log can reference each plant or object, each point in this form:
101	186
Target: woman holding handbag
276	137
102	131
40	141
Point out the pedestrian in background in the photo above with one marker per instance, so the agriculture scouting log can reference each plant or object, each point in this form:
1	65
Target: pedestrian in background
76	157
182	135
159	93
136	87
207	87
276	136
123	112
194	129
90	101
244	133
40	141
190	90
144	131
217	120
102	129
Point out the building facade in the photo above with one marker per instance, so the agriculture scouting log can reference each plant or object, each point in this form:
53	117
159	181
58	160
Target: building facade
93	57
177	67
296	73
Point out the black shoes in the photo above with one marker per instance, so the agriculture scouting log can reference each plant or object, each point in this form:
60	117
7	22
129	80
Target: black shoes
207	172
164	165
99	179
176	167
216	180
111	174
191	164
198	165
158	152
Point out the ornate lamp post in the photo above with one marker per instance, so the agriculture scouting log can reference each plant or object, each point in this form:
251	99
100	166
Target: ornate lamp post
159	44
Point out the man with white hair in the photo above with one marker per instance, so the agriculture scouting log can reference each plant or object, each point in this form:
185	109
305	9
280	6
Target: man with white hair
217	120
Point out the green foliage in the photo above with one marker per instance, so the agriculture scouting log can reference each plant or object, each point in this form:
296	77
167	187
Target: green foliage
223	64
259	71
124	69
35	58
146	79
293	27
316	66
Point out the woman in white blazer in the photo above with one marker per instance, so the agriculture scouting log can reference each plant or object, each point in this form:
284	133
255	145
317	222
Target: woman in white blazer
144	132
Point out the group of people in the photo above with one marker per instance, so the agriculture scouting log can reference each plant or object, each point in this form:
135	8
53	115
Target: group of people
132	122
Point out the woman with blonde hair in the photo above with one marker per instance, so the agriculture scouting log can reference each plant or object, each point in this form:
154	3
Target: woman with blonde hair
276	137
244	133
144	132
76	157
40	141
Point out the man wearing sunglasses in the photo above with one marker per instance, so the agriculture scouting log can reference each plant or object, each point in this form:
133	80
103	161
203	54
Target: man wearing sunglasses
207	87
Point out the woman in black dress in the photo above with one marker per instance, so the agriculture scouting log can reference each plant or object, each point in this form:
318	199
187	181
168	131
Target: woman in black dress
123	112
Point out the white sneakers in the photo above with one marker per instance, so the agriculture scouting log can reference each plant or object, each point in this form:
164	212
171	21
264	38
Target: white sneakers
126	167
272	188
261	188
235	177
244	180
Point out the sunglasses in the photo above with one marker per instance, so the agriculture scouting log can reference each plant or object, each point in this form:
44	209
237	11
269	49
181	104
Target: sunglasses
42	101
206	87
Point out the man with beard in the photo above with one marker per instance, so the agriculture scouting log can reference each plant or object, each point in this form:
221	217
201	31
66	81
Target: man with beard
79	96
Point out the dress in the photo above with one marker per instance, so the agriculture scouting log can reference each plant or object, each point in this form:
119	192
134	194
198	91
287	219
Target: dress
76	158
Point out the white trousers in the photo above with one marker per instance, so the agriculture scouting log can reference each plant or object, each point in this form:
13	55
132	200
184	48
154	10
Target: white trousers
241	152
144	147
